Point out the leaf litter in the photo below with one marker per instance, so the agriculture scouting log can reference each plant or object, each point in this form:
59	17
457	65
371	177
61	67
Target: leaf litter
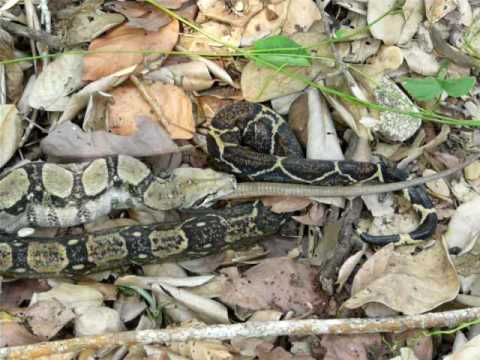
124	77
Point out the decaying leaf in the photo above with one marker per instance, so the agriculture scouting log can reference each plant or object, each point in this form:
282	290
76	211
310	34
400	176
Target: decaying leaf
70	142
236	13
56	82
352	347
405	280
11	130
437	9
469	351
173	103
277	283
98	320
79	298
464	228
131	43
189	76
14	333
140	15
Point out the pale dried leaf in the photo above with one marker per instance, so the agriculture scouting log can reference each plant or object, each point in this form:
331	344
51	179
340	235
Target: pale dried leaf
437	9
439	187
69	142
11	130
147	282
469	351
283	204
221	10
198	42
79	298
413	11
300	16
174	104
464	227
130	43
202	350
406	281
46	318
98	321
279	353
16	334
315	215
79	101
420	61
207	309
191	76
129	307
267	22
348	266
390	27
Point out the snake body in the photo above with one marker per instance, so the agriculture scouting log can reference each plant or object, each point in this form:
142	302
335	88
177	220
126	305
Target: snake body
255	143
139	244
247	140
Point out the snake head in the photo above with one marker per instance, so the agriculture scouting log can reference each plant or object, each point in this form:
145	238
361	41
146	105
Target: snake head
200	187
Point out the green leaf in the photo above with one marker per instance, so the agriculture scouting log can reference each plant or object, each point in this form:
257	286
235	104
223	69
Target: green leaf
280	51
458	87
425	89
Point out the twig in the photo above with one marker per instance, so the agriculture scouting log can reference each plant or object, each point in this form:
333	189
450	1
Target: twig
247	330
36	35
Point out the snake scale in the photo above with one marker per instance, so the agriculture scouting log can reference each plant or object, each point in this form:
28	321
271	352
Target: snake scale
247	140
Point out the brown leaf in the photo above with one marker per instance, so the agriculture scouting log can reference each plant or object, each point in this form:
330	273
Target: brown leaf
277	283
405	280
123	47
352	347
280	354
140	15
13	333
315	216
174	104
282	204
15	292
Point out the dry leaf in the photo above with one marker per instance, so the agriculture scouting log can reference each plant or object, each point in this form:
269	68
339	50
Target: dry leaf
46	318
98	321
260	84
15	292
15	334
123	46
174	104
437	9
464	227
79	298
191	76
283	204
267	22
352	347
279	354
236	13
140	15
347	268
68	142
197	42
469	350
315	215
202	350
207	309
11	130
300	16
277	283
405	280
389	28
56	82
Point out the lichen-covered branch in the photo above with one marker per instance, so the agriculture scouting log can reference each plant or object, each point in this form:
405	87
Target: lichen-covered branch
247	330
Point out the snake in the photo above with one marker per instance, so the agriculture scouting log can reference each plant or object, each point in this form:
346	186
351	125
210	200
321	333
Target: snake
246	142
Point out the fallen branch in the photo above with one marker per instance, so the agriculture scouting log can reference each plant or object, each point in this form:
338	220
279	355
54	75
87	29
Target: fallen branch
247	330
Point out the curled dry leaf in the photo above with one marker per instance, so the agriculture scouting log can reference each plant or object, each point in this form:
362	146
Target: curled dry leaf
202	350
79	101
123	47
173	103
11	130
405	280
348	266
413	12
464	228
277	283
207	309
68	142
191	76
56	82
282	204
420	61
129	307
146	282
